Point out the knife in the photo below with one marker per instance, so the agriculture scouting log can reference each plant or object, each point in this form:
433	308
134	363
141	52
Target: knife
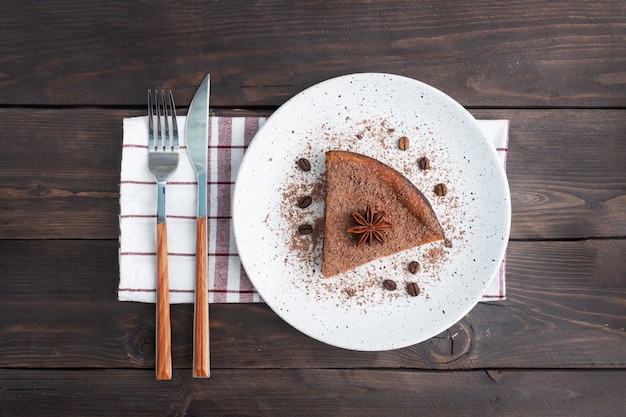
197	136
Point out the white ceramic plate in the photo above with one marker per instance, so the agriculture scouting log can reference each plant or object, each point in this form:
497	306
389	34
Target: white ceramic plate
367	113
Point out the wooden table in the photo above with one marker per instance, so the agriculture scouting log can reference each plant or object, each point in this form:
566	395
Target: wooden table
71	71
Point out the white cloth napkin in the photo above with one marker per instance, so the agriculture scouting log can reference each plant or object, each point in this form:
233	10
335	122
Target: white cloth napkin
228	282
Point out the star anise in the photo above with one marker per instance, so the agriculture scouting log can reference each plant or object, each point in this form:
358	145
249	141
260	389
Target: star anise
370	226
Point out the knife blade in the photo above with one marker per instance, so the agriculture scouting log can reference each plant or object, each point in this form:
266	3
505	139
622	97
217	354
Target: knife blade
197	135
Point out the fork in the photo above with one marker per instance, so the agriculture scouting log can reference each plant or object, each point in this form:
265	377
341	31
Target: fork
162	161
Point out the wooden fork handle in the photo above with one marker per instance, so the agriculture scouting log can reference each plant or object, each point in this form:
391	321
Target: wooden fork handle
201	313
163	329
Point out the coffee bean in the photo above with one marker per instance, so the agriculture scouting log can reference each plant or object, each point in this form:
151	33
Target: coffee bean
305	229
424	163
390	284
441	189
304	202
304	164
413	289
414	266
403	143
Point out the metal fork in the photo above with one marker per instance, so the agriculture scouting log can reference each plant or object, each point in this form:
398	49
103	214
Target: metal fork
162	161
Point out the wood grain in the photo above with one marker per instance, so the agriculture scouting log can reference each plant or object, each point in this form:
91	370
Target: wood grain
566	309
566	172
500	54
163	326
316	392
565	169
201	367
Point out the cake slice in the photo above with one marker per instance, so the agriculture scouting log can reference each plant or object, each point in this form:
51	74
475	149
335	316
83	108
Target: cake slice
372	211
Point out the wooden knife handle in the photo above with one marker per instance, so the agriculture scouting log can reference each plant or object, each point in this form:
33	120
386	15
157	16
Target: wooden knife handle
163	328
201	313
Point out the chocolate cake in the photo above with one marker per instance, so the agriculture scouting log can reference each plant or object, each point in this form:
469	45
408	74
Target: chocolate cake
372	211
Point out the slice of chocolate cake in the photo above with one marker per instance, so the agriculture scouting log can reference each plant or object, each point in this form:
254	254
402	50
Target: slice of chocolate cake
372	211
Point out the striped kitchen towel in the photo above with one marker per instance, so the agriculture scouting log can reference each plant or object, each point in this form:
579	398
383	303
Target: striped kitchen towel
228	282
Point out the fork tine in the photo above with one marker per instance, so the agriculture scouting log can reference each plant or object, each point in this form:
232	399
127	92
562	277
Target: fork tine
174	122
150	121
160	137
163	137
167	142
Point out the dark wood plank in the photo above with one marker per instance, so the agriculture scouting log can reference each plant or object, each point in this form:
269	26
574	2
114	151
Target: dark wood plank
58	308
524	53
323	392
565	169
566	172
60	173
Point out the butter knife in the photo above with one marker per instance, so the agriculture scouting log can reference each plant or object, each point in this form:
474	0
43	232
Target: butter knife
197	136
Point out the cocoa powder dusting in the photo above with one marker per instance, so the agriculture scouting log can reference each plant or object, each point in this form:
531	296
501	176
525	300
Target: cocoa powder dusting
364	285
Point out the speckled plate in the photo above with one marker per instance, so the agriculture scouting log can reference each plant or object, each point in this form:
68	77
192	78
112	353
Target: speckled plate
368	113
